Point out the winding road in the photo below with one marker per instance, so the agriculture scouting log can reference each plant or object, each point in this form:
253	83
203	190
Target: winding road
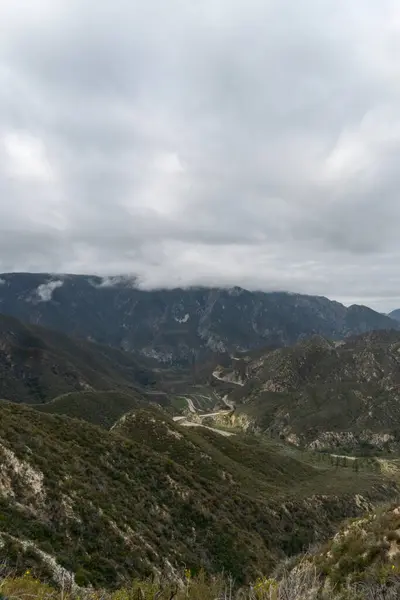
226	380
183	420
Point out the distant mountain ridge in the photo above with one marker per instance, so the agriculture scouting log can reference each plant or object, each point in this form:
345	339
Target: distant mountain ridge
395	314
178	325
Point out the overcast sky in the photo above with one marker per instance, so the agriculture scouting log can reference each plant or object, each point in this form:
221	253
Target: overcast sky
225	142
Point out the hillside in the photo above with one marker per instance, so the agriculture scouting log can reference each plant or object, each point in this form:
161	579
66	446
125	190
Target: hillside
37	364
360	562
112	505
365	549
395	314
177	325
99	408
321	394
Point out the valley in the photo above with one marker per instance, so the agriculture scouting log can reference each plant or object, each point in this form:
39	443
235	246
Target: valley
199	300
117	467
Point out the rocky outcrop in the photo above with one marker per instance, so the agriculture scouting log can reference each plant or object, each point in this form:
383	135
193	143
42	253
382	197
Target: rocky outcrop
353	441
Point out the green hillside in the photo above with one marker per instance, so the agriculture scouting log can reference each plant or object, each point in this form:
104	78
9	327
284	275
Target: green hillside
323	395
99	408
38	364
109	507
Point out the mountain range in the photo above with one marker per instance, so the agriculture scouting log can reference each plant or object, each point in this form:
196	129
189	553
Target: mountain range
120	458
177	326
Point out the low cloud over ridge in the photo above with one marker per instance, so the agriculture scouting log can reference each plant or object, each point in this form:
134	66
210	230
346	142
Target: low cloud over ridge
237	143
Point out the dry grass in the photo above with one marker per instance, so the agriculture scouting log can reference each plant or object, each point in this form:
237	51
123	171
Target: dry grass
294	586
302	583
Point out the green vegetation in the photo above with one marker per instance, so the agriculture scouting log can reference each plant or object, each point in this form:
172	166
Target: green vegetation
341	398
304	582
188	586
114	505
38	364
99	485
365	549
179	403
99	408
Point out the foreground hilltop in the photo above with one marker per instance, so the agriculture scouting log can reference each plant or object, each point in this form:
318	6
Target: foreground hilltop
177	325
149	496
361	562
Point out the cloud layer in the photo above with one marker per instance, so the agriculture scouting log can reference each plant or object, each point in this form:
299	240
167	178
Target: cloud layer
247	143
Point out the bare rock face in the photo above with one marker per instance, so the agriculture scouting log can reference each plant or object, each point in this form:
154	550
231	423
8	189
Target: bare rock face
177	325
352	441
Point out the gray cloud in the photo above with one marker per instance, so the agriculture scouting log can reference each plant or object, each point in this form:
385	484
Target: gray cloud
45	290
235	143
